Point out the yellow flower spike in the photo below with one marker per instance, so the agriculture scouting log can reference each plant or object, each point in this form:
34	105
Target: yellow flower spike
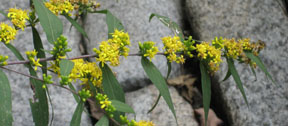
172	46
18	17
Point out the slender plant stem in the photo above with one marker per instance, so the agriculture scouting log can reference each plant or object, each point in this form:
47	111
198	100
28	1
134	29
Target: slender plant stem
79	57
54	84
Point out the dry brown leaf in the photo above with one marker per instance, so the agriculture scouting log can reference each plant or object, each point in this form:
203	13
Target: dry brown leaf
96	113
212	120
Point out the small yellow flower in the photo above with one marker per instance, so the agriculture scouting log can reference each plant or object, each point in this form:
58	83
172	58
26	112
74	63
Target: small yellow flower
18	17
148	49
30	56
7	33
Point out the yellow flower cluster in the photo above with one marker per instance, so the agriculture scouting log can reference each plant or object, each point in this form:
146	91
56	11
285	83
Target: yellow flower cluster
148	49
145	123
7	33
233	49
60	6
172	46
110	51
30	56
124	120
210	54
18	17
86	71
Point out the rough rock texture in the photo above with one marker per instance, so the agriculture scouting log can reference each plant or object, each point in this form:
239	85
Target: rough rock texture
142	100
257	19
63	101
134	16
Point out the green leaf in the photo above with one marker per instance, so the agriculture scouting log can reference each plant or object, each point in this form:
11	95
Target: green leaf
65	67
170	24
122	107
228	74
254	73
111	21
74	95
40	110
38	46
92	87
5	101
155	104
169	69
77	26
110	84
103	121
3	13
206	89
112	88
155	76
236	77
259	63
76	119
51	24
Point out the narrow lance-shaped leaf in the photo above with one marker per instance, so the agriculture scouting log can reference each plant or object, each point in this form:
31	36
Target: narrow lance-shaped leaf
112	88
77	26
110	84
254	73
122	107
111	21
170	24
259	63
51	24
74	95
206	89
236	77
228	74
5	101
76	119
155	76
103	121
65	67
38	46
40	108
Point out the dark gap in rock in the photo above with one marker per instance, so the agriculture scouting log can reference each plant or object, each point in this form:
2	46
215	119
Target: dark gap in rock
191	66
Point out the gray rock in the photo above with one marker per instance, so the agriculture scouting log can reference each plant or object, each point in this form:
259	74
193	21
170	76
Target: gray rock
142	100
134	16
259	20
63	101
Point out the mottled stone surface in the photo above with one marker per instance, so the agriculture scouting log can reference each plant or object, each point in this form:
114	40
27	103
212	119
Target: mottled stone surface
142	100
134	15
63	101
256	19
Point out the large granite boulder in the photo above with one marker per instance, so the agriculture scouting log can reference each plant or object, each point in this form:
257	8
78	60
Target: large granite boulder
62	100
134	15
142	100
258	20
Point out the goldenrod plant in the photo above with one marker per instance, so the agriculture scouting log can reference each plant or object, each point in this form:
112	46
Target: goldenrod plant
98	81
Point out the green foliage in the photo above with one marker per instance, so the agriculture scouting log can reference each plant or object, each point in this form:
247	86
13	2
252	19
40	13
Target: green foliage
122	107
206	89
236	77
5	101
103	121
77	26
38	46
260	64
65	67
170	24
51	24
76	119
155	76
